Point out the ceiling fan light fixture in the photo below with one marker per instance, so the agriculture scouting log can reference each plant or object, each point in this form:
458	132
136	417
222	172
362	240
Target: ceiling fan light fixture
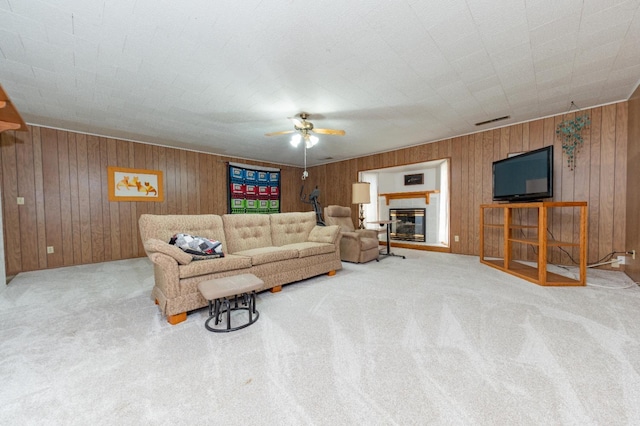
310	140
295	140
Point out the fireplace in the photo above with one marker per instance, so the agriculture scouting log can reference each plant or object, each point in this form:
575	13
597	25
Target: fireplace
409	225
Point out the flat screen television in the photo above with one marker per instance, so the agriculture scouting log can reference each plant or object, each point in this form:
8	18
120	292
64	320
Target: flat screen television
524	177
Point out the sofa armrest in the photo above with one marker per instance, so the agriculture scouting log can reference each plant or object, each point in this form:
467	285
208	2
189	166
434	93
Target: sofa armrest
368	233
324	234
166	274
350	236
153	245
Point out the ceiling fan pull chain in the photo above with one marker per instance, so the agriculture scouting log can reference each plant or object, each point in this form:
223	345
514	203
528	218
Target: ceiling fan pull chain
305	174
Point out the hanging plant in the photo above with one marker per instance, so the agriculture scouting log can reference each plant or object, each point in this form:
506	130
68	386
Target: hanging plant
570	133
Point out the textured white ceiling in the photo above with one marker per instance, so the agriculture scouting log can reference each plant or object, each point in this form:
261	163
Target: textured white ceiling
214	76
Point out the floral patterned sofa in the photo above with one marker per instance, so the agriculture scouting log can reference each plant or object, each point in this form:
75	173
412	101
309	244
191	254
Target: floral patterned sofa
278	248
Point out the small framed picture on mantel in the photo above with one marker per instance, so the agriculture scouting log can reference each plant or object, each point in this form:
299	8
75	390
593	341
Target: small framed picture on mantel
417	179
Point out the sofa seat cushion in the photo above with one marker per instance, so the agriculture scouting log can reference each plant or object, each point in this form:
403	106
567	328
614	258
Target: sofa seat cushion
310	248
211	266
270	254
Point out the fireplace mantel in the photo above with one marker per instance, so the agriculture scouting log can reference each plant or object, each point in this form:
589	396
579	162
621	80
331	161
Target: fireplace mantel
403	195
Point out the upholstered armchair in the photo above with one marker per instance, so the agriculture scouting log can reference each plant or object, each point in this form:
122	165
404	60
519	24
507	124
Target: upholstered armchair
356	245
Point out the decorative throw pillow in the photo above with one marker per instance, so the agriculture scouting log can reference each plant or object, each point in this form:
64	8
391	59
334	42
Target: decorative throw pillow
323	234
198	247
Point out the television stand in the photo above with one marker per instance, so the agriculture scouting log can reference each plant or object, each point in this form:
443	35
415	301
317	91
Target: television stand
536	274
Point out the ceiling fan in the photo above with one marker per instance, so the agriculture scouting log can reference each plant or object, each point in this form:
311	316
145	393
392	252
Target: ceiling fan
303	129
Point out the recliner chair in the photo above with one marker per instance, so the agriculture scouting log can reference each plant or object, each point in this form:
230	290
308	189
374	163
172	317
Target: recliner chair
356	245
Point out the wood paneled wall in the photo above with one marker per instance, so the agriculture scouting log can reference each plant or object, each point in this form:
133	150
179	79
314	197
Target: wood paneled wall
633	194
599	178
62	176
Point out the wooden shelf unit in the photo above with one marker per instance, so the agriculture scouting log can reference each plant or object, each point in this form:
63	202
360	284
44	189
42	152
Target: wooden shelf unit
535	274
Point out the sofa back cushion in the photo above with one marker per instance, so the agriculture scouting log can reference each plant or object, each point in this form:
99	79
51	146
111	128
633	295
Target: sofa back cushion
246	231
291	228
163	227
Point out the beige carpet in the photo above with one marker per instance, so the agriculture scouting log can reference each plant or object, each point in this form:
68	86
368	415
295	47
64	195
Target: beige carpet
433	339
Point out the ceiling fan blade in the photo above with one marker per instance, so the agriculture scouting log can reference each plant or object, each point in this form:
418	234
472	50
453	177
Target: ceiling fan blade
329	132
284	132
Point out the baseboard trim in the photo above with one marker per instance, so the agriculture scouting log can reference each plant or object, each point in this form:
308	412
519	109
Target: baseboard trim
418	247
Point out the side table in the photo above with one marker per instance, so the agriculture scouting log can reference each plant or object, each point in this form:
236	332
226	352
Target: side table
388	223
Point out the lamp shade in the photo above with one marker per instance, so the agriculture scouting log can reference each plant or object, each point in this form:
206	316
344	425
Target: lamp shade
360	193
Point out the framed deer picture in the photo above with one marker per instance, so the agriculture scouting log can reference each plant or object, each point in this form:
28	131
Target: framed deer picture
135	184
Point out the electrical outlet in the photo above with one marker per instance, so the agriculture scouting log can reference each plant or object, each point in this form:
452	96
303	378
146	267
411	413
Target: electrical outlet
20	201
456	238
622	260
633	254
49	249
616	263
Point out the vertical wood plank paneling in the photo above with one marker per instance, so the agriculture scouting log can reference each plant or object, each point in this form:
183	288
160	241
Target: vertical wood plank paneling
555	218
95	198
632	229
515	138
193	182
10	211
28	211
36	140
106	208
114	211
475	192
124	209
463	226
155	165
170	182
515	146
74	199
620	177
83	196
183	183
162	165
536	141
142	207
487	185
133	212
65	198
206	175
222	179
456	192
593	251
566	215
497	217
478	192
526	133
505	134
180	176
581	183
607	179
50	173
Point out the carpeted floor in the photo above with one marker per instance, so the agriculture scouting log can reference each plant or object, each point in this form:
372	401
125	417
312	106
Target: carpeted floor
433	339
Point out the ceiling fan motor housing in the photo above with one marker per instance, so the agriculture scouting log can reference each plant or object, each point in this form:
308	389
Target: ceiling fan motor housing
306	127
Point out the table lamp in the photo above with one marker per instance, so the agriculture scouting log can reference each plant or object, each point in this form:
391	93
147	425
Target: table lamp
360	195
